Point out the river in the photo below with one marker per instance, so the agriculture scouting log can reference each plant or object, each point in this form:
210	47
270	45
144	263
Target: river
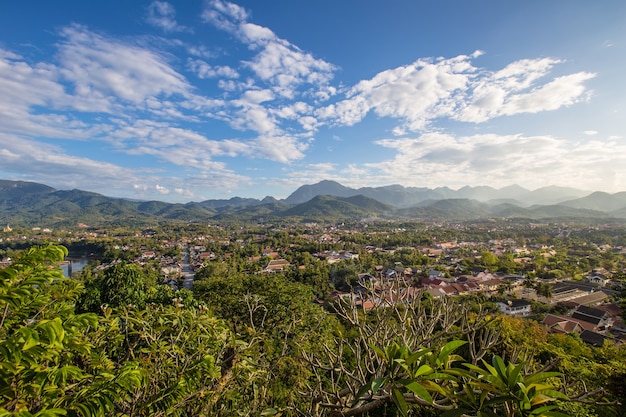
72	265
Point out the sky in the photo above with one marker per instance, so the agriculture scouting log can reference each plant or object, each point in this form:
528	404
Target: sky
192	100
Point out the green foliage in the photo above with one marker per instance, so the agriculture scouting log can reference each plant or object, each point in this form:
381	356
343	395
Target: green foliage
122	284
502	389
437	379
192	362
43	345
277	317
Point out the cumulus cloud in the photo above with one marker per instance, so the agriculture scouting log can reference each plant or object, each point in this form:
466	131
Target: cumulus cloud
279	148
277	62
26	86
163	15
454	88
204	70
131	96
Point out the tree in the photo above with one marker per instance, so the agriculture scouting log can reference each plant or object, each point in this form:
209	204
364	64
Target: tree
122	284
277	318
444	355
392	354
48	367
193	364
488	259
544	289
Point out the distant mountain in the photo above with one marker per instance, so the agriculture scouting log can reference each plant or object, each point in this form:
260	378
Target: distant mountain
258	213
233	202
559	211
465	210
599	201
30	204
508	210
405	197
552	195
308	192
332	207
16	190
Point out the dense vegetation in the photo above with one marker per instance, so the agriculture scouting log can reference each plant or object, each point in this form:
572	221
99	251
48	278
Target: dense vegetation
114	342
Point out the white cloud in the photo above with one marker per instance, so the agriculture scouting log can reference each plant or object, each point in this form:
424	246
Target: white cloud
590	132
562	91
51	165
437	159
181	147
286	67
453	88
100	67
353	171
130	96
279	148
281	64
163	15
224	15
204	70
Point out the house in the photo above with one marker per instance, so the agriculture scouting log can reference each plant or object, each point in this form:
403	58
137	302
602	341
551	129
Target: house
514	280
276	265
490	285
558	324
269	253
464	279
598	279
517	308
433	274
454	289
435	292
589	299
593	338
599	318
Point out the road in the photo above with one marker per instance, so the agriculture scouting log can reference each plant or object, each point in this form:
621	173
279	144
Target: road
187	272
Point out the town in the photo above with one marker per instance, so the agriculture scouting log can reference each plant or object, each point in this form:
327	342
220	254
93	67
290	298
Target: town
568	277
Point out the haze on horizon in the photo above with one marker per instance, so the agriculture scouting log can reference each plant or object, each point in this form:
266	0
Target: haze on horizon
197	100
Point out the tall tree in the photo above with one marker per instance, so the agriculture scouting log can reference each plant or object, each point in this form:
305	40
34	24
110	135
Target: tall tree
47	365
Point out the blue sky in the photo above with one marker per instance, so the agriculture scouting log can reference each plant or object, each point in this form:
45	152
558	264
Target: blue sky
193	100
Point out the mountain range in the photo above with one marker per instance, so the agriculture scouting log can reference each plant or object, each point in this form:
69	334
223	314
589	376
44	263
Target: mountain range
31	204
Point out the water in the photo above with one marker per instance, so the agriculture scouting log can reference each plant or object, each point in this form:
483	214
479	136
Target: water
73	265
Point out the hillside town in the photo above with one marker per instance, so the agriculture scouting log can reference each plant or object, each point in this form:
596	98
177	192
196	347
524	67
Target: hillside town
569	278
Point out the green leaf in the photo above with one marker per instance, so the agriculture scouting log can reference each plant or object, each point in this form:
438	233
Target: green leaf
418	390
51	412
379	352
399	401
365	388
514	375
415	356
377	383
541	376
423	370
499	366
449	348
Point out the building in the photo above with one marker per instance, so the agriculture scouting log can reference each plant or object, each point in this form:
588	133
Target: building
516	308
